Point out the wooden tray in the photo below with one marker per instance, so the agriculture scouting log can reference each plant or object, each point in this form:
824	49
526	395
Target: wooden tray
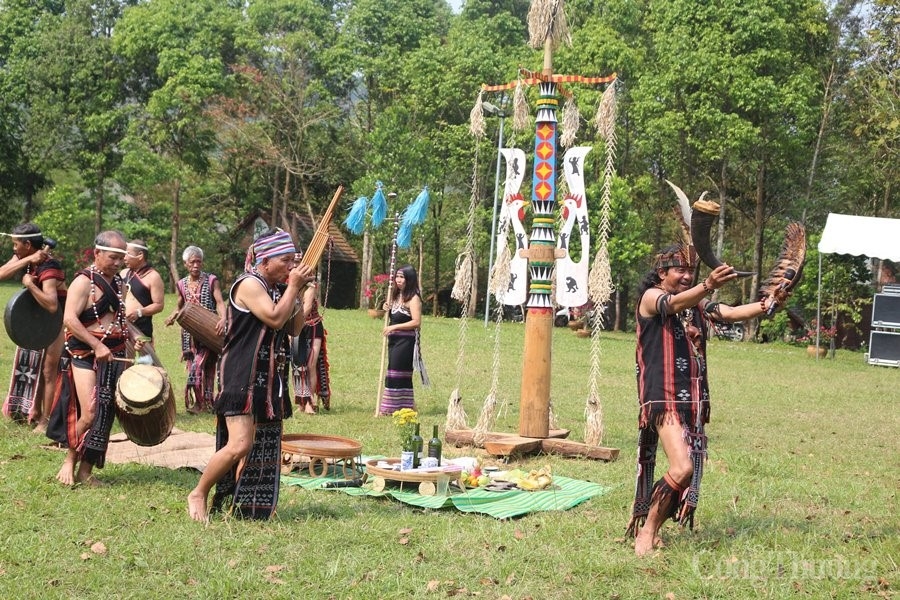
320	448
425	479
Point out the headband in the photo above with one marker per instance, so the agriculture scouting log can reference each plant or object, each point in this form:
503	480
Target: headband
272	245
25	236
139	246
109	249
681	256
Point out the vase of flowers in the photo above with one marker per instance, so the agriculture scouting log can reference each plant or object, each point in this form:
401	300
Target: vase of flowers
376	294
406	420
826	337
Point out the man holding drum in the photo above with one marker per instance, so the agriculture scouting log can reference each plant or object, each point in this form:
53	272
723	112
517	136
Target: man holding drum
35	371
95	331
145	293
203	289
253	397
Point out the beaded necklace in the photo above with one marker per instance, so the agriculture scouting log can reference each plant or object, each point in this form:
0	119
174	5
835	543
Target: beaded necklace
119	318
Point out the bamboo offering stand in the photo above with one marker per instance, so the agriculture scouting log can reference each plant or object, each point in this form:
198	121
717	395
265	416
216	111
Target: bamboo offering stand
319	450
548	30
425	479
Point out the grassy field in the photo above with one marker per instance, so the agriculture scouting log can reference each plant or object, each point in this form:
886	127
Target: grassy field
799	498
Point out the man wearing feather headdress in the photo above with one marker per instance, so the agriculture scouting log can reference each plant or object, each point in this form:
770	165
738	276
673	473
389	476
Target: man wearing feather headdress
673	317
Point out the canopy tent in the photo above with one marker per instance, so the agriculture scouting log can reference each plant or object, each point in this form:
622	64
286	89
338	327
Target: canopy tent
874	237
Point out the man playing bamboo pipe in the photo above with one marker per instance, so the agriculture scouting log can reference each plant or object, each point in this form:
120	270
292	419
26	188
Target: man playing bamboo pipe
672	325
253	394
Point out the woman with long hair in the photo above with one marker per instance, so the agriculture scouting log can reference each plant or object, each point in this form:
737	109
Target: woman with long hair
404	354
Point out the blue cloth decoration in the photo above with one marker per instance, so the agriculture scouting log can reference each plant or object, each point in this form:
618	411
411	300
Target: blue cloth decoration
356	220
414	215
379	206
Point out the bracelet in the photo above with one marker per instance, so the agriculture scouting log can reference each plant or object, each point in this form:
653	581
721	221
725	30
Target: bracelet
140	313
762	304
706	288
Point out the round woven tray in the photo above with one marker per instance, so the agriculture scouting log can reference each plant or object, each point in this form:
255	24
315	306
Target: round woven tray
320	446
373	469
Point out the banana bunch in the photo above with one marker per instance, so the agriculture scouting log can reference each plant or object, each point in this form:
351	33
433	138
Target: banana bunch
536	479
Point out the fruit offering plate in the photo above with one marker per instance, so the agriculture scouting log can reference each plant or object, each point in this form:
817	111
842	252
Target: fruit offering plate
413	476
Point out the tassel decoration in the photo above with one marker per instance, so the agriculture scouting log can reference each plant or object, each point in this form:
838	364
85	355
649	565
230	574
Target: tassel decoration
476	118
415	214
547	22
356	219
571	122
379	205
521	121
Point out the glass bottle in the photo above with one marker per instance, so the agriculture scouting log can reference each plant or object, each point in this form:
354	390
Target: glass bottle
417	443
434	445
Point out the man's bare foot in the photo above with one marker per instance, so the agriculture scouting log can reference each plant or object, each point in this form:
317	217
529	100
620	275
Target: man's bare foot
644	543
90	481
66	475
197	507
41	427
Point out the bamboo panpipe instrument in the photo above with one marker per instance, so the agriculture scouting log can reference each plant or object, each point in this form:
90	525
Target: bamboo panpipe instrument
320	238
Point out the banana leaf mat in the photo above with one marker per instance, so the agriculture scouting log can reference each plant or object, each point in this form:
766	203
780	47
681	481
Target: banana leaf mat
564	494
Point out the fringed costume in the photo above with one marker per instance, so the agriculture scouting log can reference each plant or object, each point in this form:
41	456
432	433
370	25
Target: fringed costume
22	402
253	381
201	361
311	380
404	356
672	388
92	445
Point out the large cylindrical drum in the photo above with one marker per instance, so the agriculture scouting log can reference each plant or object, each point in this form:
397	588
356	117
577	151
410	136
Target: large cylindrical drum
145	404
201	323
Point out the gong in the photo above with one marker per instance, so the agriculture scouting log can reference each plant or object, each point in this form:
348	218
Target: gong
28	325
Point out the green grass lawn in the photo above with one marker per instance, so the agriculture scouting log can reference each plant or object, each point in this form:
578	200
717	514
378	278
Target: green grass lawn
799	499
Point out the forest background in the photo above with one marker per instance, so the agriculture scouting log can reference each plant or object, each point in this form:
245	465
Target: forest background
173	121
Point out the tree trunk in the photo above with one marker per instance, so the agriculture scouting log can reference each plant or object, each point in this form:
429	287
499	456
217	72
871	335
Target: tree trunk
759	223
98	211
176	225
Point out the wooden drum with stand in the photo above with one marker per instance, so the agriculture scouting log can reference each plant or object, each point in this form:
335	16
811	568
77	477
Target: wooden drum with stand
145	404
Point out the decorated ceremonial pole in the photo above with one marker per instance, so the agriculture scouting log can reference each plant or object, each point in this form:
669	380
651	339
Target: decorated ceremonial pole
387	315
547	28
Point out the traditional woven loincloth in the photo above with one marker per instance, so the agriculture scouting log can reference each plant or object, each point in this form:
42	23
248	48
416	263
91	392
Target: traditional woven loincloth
255	493
24	384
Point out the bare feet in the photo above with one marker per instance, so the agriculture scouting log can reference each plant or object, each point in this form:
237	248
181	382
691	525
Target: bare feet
644	543
90	481
66	475
197	507
310	410
41	427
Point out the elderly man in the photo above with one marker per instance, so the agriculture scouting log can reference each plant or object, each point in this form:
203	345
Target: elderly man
95	331
253	397
33	382
144	291
202	288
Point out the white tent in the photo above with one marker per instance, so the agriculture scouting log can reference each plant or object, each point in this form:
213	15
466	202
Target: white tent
874	237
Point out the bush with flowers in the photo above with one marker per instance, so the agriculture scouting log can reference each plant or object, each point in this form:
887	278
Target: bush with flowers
405	419
376	290
826	334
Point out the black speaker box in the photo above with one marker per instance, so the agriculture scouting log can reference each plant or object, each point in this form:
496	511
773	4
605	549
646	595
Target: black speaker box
884	348
886	310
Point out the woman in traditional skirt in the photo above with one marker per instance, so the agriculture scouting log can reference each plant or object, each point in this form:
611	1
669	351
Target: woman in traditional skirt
309	357
404	354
